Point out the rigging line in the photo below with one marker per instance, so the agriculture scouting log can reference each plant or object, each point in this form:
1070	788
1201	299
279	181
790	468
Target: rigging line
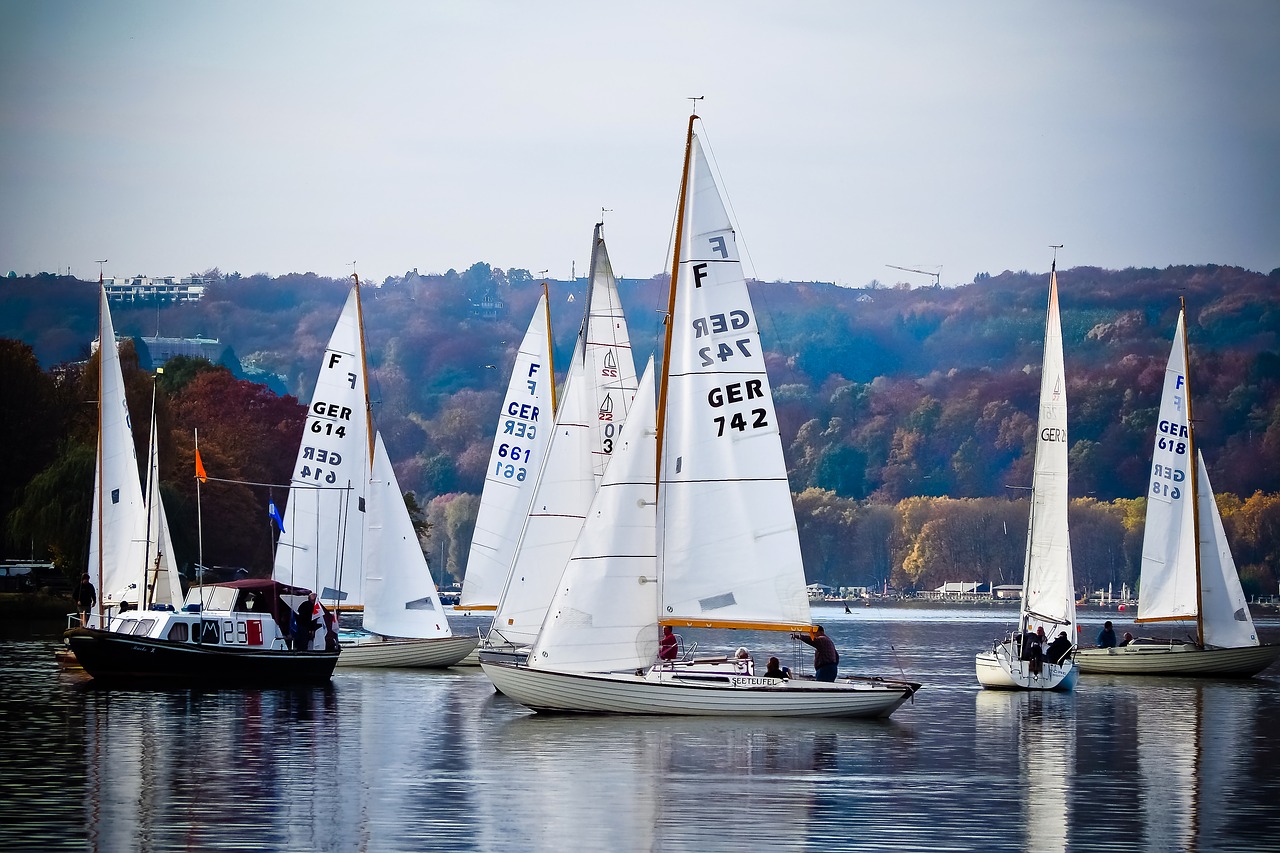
759	298
275	485
740	236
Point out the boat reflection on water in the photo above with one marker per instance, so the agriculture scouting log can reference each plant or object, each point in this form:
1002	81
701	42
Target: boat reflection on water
1036	733
688	784
1192	749
1176	782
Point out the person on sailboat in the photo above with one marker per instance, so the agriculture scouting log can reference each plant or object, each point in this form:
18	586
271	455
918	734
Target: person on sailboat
826	660
306	628
668	646
775	669
1058	649
86	597
1107	636
1128	639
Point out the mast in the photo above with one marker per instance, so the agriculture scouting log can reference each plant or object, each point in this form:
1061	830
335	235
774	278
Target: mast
150	574
1195	468
102	307
364	369
551	357
671	297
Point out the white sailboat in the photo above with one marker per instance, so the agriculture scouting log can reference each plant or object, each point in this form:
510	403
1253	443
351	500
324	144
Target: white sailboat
1048	586
1188	573
590	416
353	536
221	634
519	444
404	622
321	542
130	548
724	551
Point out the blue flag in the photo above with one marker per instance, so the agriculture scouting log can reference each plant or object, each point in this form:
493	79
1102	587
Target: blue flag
275	514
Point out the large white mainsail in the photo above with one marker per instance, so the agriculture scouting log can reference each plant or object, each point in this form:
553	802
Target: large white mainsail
400	597
322	540
1168	587
1048	593
728	550
117	538
518	448
604	614
600	384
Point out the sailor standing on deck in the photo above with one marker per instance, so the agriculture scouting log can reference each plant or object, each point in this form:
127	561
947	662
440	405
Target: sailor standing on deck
826	660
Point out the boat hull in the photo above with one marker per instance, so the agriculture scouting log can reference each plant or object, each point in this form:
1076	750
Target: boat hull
437	652
748	696
1183	659
999	669
108	656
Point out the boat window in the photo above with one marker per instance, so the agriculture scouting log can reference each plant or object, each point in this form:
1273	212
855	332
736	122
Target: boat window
210	632
123	626
143	627
178	632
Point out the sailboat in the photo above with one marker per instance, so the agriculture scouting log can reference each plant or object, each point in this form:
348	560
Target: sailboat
1188	573
322	539
519	444
590	416
1048	587
718	548
349	531
144	630
404	622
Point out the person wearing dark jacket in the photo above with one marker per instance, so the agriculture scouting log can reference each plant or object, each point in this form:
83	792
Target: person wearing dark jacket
1058	649
826	660
1107	636
86	597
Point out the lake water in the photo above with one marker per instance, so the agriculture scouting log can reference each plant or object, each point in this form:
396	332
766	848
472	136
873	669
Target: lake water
422	760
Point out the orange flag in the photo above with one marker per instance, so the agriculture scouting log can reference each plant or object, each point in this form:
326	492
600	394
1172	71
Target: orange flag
200	474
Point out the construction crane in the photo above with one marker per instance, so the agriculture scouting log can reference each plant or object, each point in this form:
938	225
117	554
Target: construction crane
937	276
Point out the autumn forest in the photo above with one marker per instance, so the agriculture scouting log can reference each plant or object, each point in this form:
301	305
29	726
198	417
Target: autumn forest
907	413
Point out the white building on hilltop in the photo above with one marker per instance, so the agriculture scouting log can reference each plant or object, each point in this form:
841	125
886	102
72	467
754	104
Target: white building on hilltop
167	288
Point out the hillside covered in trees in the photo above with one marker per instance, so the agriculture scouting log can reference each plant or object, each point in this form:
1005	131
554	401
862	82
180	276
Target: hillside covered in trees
907	413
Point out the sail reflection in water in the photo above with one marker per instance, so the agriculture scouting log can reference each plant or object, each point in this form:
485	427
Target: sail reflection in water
434	760
1035	733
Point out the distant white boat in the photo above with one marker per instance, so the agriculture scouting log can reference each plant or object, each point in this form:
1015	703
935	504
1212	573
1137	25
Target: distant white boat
1048	586
1188	573
714	545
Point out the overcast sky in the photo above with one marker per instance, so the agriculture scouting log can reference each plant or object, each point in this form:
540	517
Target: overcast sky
277	137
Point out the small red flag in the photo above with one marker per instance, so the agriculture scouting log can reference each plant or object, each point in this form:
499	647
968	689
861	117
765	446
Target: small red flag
200	474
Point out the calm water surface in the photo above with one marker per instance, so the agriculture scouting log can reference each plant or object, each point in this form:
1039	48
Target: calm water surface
419	760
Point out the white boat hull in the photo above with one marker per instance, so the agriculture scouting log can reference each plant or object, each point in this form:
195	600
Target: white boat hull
390	652
1183	659
1000	669
739	696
